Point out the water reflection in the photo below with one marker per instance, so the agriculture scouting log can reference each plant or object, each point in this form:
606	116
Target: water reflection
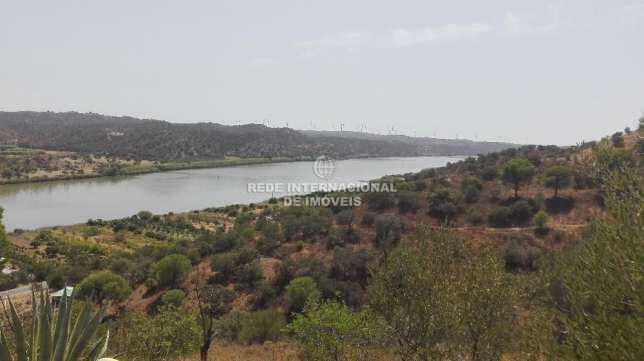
67	202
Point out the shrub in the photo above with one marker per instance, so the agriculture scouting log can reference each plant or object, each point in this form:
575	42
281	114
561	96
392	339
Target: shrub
471	194
441	205
171	270
145	215
489	173
380	201
262	326
515	256
174	297
388	230
102	286
475	218
541	220
420	185
345	217
270	239
248	275
368	218
500	217
171	334
522	211
331	331
229	326
299	291
618	140
408	202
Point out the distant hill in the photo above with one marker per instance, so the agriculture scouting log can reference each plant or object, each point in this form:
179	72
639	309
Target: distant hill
148	139
432	146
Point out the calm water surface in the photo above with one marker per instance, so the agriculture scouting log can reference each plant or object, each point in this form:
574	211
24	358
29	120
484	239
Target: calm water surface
36	205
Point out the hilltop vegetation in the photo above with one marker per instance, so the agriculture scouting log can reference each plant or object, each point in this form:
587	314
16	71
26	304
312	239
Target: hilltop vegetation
146	139
505	255
40	146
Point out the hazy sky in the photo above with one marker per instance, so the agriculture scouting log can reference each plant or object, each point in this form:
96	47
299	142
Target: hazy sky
523	71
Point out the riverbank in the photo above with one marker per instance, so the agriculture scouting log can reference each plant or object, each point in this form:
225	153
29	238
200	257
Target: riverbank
43	204
118	168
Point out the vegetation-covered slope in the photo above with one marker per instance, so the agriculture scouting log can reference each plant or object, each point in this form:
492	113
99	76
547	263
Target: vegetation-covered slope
146	139
486	258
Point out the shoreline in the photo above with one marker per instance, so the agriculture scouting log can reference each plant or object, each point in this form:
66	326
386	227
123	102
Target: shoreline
201	164
160	168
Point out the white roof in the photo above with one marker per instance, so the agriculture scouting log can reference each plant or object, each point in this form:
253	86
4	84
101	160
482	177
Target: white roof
68	290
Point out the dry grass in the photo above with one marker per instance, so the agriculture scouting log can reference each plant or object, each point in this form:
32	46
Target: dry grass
268	352
281	351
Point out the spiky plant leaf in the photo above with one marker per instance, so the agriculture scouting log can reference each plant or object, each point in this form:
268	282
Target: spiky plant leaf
5	355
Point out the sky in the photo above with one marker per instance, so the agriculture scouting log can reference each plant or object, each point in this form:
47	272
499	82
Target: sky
522	71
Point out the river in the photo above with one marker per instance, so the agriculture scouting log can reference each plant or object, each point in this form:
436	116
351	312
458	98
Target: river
34	205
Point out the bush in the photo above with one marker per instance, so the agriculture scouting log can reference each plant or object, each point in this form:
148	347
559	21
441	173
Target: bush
618	140
540	220
515	256
471	194
489	173
171	270
262	326
270	239
441	205
475	218
388	230
380	201
368	218
522	211
345	217
229	326
299	291
102	286
172	334
145	215
408	202
174	297
331	331
500	217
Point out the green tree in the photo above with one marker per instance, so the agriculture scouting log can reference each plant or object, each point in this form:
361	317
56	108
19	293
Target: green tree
517	172
331	331
173	298
172	333
171	270
299	291
388	230
486	298
262	326
412	299
103	286
441	301
596	289
557	177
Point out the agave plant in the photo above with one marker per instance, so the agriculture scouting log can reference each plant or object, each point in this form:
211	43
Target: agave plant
53	334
